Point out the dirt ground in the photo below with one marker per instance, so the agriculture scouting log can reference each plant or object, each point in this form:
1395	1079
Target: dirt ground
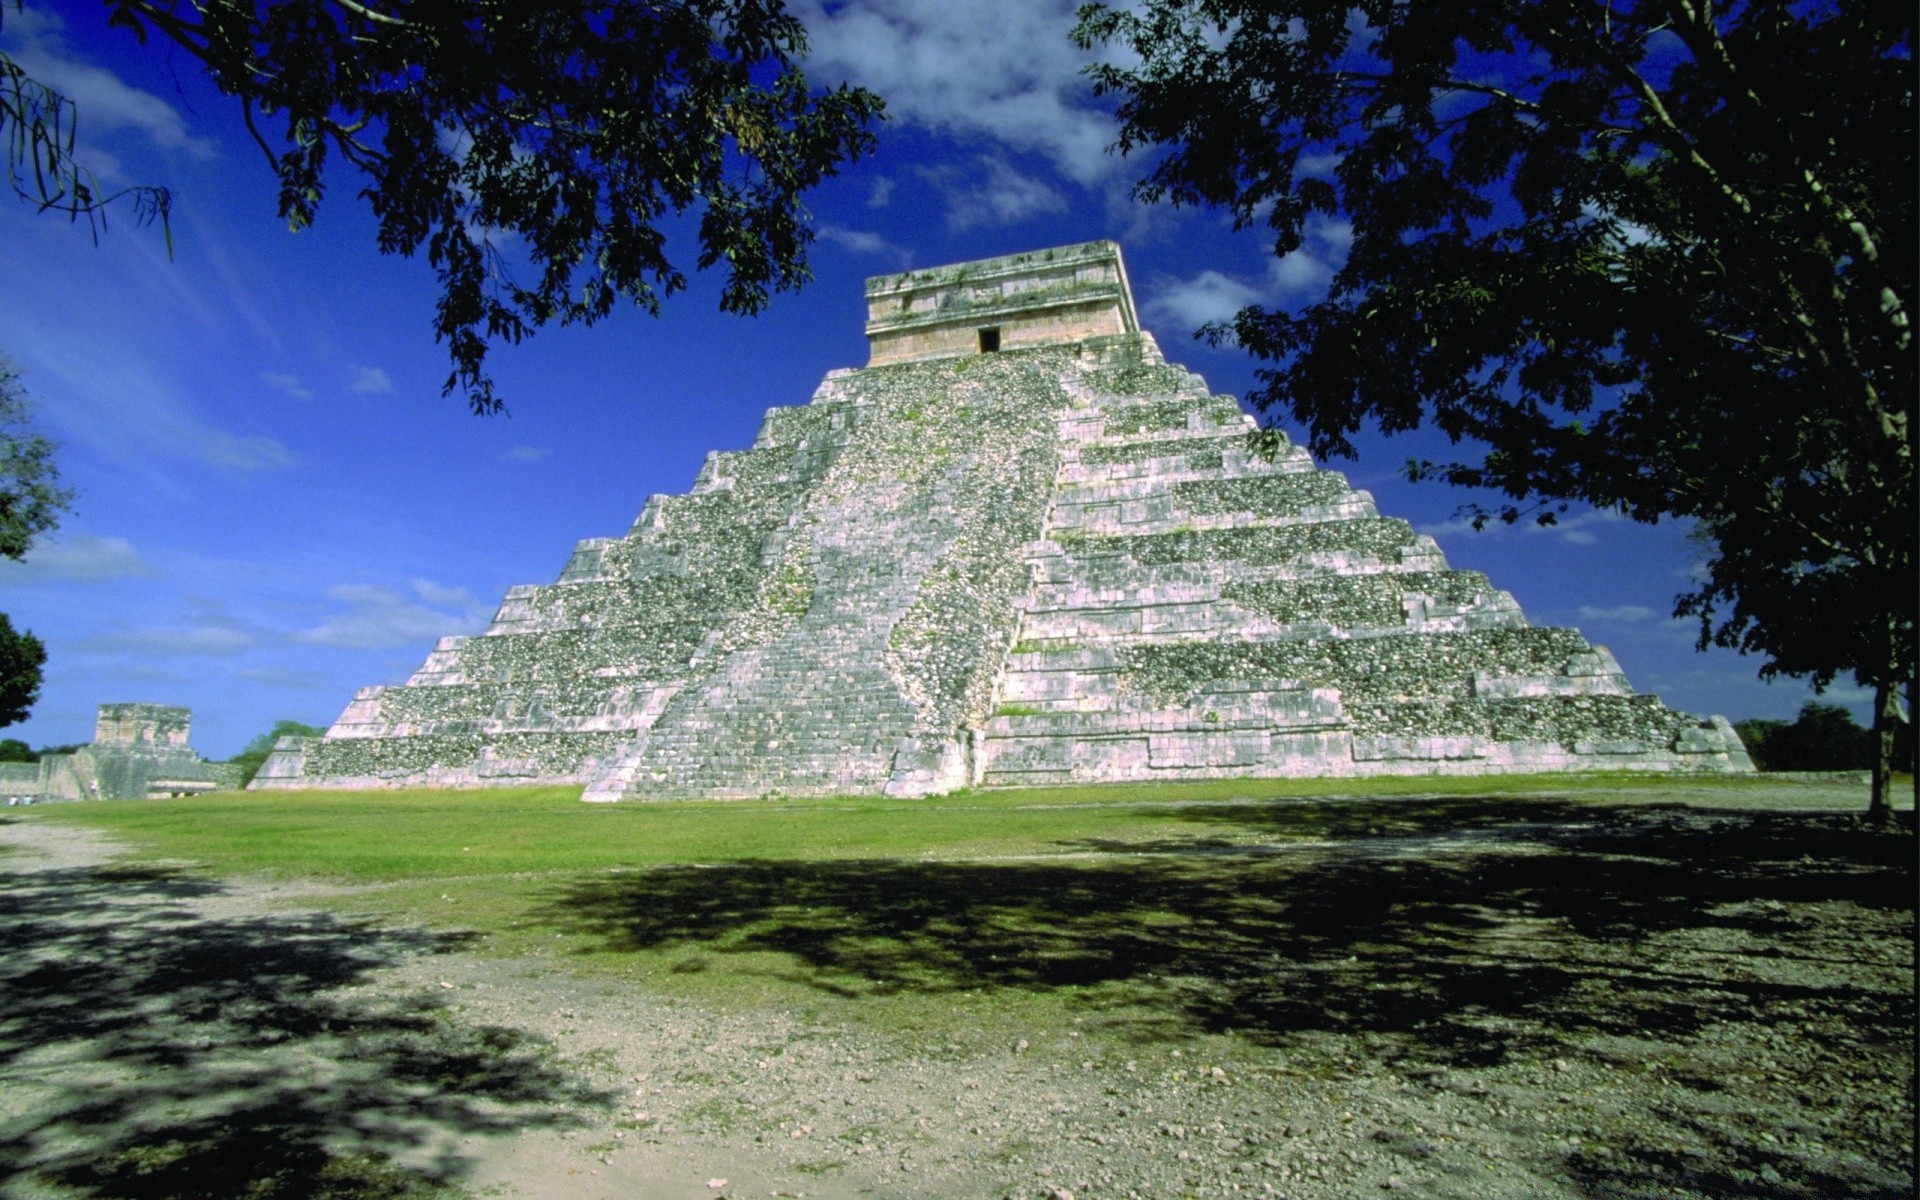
1682	994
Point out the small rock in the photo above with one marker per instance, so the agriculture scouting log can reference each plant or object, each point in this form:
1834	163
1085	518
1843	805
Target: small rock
1061	1194
716	1184
1561	1064
1020	1047
445	984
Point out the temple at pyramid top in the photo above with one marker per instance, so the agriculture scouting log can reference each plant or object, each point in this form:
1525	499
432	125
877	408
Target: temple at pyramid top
1066	294
1019	547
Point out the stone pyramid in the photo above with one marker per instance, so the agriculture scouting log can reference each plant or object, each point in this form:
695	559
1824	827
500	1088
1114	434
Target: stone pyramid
1018	547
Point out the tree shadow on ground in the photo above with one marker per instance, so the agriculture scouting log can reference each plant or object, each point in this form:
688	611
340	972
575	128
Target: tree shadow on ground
154	1052
1429	938
1471	931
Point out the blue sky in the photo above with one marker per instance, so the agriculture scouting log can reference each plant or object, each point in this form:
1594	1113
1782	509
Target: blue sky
276	505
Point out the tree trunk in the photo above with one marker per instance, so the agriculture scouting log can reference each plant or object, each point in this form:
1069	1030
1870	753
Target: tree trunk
1886	727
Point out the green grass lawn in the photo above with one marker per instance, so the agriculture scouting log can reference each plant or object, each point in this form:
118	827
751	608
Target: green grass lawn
387	837
1075	896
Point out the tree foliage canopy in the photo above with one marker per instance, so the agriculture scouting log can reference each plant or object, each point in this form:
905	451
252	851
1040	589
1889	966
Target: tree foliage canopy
31	501
31	498
21	658
535	152
1651	255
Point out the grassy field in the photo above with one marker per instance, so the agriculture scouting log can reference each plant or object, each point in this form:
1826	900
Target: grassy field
1028	897
390	837
1658	943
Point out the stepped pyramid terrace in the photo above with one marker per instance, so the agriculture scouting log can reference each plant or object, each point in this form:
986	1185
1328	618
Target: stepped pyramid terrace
1018	547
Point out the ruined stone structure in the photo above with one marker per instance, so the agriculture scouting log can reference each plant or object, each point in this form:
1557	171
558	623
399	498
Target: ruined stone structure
1018	547
138	750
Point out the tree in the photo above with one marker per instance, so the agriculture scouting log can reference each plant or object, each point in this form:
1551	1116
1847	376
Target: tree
1654	256
13	750
31	501
21	658
571	133
254	755
31	498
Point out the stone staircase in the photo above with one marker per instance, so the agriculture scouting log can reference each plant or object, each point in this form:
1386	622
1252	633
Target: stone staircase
1177	525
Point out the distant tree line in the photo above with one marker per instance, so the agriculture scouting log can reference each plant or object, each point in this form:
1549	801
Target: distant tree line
1824	737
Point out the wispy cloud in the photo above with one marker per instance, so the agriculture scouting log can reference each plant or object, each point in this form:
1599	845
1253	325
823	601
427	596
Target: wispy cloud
528	453
1619	614
992	193
290	677
377	617
78	556
207	631
102	100
861	241
368	380
256	453
124	404
882	193
290	384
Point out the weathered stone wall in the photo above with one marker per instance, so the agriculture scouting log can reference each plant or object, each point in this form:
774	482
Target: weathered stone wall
1043	297
165	724
139	750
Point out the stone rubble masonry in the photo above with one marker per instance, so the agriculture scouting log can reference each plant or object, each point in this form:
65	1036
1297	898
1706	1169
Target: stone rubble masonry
138	751
1063	560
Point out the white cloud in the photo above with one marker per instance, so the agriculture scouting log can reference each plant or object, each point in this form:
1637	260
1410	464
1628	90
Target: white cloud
882	193
377	617
862	241
1298	278
290	384
1191	303
102	101
244	453
1302	276
1581	529
1299	275
81	556
975	69
528	453
1619	614
997	195
368	380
